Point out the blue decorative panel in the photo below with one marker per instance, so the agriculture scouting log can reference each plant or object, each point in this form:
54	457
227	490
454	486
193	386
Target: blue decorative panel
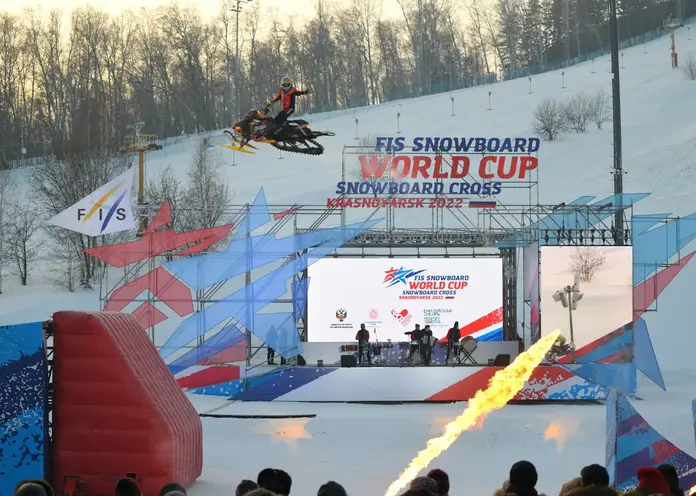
22	400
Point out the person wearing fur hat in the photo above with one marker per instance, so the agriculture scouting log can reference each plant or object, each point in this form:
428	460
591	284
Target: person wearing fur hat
650	482
570	486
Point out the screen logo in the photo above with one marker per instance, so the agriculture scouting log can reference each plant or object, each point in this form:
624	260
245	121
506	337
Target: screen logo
403	316
395	276
341	314
372	314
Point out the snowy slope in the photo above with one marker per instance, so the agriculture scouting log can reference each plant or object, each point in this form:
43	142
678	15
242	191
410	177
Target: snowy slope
365	447
659	141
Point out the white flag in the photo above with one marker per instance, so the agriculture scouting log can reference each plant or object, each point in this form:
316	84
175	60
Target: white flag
105	211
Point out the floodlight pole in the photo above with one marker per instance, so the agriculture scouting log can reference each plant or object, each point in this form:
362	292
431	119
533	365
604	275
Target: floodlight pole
569	292
236	8
616	97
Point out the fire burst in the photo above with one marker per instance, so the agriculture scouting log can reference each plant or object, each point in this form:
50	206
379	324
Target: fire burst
503	387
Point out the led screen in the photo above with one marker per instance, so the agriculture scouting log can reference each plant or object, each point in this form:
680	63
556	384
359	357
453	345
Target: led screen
598	279
391	295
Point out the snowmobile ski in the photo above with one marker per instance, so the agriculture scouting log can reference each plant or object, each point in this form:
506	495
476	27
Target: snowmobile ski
234	139
237	148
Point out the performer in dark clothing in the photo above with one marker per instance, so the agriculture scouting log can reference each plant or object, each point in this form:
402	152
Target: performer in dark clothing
363	339
415	335
427	347
272	344
453	336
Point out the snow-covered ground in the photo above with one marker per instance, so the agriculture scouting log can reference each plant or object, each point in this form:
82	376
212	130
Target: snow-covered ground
365	447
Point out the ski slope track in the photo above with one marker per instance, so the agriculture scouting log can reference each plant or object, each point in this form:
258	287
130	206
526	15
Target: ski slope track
659	146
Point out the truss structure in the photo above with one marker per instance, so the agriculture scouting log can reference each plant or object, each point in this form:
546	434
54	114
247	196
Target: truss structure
443	233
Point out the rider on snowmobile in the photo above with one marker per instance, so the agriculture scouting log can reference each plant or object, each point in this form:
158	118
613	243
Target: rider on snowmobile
286	94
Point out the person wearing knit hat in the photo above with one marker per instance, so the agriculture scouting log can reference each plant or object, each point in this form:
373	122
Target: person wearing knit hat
594	475
245	487
424	484
523	478
442	480
332	488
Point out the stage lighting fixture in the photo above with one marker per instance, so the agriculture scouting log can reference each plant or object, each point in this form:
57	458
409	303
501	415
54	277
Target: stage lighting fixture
627	236
546	236
580	236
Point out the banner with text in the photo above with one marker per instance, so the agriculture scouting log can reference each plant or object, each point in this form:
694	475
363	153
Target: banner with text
391	296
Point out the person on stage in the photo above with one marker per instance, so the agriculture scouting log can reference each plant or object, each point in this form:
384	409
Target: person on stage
415	335
363	339
453	336
426	345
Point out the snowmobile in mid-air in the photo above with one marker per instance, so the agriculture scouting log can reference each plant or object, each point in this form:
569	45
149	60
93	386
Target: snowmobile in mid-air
293	136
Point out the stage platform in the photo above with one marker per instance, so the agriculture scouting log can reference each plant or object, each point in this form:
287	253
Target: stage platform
414	384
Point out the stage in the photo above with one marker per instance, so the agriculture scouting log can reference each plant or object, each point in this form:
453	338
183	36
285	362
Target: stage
411	384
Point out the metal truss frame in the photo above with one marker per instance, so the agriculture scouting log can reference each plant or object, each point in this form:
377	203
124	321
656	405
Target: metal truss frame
495	232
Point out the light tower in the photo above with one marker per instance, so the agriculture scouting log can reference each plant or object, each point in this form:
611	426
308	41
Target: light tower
140	143
672	25
236	7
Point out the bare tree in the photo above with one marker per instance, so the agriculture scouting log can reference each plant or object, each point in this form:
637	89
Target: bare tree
166	187
549	121
24	247
65	260
599	108
690	67
7	200
578	111
207	194
586	262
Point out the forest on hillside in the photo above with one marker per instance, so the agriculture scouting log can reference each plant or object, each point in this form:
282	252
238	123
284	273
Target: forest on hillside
73	89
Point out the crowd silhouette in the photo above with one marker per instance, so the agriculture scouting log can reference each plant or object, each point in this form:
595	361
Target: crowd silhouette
593	480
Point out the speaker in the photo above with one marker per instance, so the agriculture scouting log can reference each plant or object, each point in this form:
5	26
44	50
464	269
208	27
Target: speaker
349	361
502	360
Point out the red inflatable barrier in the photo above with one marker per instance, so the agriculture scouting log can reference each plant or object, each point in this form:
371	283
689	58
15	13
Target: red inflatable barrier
117	408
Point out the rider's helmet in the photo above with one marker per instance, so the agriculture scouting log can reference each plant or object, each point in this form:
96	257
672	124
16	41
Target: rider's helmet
286	83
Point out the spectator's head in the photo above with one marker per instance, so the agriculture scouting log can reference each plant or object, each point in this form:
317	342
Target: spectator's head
332	488
424	484
245	487
571	485
277	481
261	492
127	487
670	473
33	488
594	475
650	479
523	474
440	477
417	492
172	487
